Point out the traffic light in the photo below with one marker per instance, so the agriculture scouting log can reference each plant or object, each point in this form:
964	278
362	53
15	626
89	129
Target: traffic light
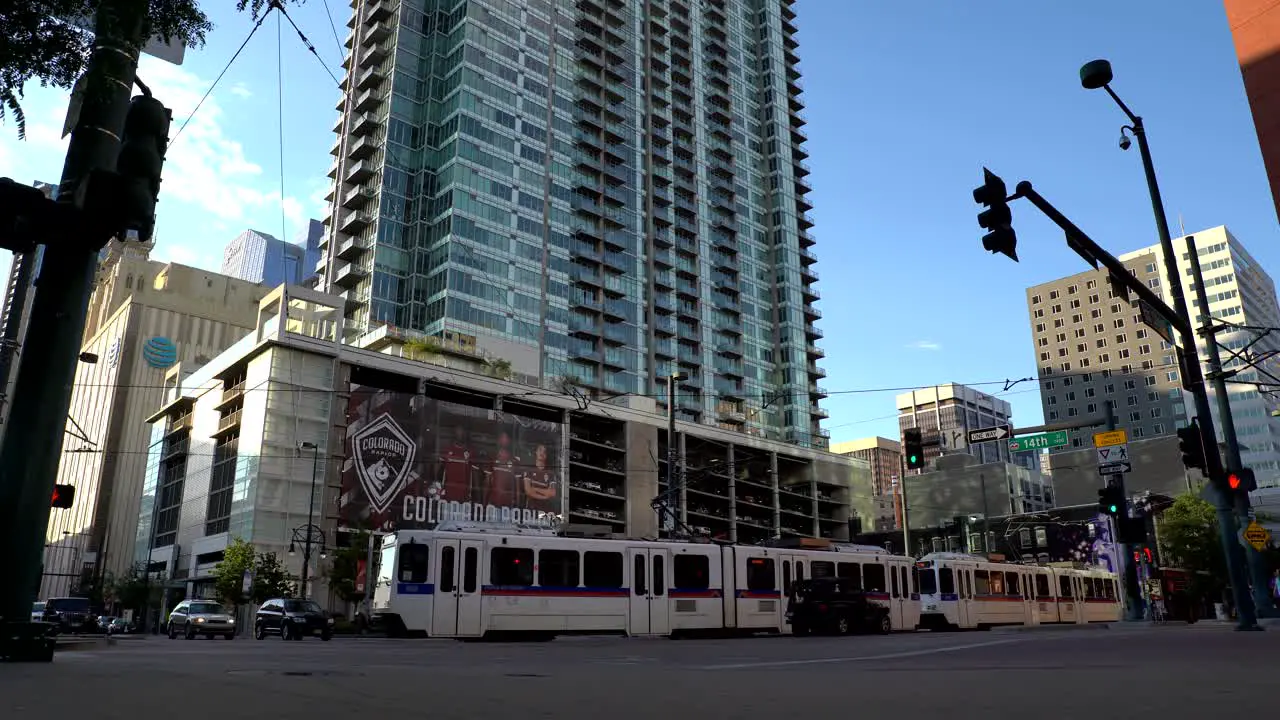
141	160
1191	444
64	496
997	219
1111	500
913	448
1241	480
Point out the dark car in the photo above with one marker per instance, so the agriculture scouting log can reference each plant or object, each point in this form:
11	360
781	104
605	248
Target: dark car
292	619
834	605
70	615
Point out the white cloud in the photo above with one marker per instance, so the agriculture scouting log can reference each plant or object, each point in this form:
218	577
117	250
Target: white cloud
241	90
924	345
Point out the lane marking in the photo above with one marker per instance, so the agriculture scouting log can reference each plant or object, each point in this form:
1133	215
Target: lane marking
886	656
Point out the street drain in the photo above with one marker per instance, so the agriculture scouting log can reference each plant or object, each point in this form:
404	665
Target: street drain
294	673
526	675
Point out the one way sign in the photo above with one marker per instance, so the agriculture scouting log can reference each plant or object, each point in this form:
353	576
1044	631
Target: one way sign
1113	459
989	434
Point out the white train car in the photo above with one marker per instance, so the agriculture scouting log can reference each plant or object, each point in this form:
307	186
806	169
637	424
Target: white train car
959	591
468	584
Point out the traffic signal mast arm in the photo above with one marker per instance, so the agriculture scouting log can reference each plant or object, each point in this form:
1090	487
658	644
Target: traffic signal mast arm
1094	254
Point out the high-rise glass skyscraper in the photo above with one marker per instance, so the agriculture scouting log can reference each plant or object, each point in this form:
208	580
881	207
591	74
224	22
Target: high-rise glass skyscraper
611	191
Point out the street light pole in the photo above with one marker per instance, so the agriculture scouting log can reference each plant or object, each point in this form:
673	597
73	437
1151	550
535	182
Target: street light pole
311	506
1094	75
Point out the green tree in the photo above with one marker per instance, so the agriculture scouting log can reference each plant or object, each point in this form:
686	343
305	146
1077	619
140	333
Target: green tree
1189	539
345	568
228	575
498	368
270	579
39	45
134	591
424	348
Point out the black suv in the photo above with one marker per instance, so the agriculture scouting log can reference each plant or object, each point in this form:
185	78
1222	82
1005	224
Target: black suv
834	605
292	619
70	615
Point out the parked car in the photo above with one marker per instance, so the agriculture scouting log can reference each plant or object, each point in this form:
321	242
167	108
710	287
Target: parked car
37	612
191	618
70	614
112	625
834	605
292	619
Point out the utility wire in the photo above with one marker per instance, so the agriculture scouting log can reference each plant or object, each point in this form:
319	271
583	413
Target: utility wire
305	41
230	62
341	51
284	223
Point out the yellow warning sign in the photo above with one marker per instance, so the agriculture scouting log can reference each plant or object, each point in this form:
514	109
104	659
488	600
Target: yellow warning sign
1257	536
1110	438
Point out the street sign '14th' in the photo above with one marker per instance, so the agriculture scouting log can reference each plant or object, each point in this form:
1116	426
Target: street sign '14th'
1057	438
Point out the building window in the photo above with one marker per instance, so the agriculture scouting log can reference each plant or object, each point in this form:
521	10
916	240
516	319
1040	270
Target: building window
1035	299
1157	429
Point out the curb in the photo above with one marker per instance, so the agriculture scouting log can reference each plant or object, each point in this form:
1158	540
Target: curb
1050	628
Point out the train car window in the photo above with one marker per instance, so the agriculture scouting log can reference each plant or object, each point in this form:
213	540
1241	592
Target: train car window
602	569
470	569
786	578
1064	587
659	575
873	579
1042	586
640	585
558	568
946	581
511	566
893	583
982	579
691	572
852	573
1011	583
414	562
906	589
761	574
928	581
915	579
447	570
1112	593
822	568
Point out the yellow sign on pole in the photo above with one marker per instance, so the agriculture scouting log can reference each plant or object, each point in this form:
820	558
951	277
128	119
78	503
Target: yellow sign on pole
1110	438
1257	536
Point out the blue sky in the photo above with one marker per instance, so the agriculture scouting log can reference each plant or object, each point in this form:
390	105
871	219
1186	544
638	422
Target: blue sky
907	100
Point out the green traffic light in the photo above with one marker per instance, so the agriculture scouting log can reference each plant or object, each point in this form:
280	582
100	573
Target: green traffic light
1114	508
912	459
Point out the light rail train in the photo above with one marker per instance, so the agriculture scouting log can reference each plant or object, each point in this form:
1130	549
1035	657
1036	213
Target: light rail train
476	583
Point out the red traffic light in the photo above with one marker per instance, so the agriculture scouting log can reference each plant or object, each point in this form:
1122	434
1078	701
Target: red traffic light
1233	481
64	496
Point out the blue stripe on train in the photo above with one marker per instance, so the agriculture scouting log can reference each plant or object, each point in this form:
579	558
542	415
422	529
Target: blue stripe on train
405	588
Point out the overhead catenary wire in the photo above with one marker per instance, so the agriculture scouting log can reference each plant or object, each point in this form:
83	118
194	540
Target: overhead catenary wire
218	79
302	36
284	222
333	27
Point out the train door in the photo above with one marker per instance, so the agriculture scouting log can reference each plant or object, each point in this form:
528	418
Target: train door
964	592
650	612
896	593
1030	608
792	571
457	608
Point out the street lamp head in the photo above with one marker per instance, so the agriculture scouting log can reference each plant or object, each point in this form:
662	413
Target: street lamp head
307	445
1095	74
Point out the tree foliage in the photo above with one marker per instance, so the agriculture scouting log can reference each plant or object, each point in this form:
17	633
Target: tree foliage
39	45
345	568
270	579
1189	537
228	574
134	591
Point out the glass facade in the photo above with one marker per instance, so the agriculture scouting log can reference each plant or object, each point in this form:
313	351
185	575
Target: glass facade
618	185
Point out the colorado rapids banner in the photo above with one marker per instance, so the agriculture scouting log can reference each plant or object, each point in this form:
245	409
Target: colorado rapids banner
413	462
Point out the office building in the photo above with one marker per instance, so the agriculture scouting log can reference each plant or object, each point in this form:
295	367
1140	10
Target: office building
266	260
1255	26
1239	292
611	193
382	429
884	456
310	239
144	318
1092	346
16	312
945	414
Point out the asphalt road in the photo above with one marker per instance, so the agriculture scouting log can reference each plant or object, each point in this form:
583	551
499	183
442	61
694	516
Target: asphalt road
1129	673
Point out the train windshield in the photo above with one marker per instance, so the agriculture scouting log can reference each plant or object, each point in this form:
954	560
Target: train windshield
928	581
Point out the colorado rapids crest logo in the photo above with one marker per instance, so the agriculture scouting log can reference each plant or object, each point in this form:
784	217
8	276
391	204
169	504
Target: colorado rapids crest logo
384	456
